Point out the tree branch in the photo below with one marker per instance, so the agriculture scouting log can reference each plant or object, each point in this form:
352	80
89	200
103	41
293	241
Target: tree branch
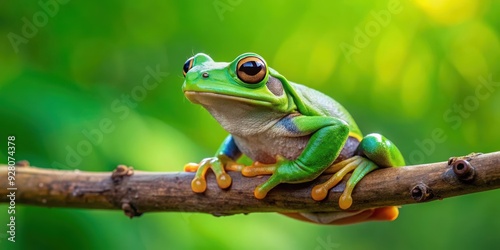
138	192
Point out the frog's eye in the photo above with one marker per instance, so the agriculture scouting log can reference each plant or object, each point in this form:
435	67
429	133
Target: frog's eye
251	70
187	66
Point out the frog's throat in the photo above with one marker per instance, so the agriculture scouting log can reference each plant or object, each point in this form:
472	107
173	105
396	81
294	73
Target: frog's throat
238	116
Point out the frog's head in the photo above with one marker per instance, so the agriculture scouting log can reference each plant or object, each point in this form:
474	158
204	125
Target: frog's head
245	96
246	80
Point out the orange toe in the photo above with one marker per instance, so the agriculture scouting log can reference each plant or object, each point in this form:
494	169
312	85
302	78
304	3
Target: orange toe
385	214
191	167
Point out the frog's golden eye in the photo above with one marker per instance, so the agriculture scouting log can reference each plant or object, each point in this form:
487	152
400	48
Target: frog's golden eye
251	70
187	66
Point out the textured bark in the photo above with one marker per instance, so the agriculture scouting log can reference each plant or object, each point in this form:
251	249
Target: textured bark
137	192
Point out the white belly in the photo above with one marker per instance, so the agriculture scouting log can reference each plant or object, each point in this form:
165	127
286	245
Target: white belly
265	147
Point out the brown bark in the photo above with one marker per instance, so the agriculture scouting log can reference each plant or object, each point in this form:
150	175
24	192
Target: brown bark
137	192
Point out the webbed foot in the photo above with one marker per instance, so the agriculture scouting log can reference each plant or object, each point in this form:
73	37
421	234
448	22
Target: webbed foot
361	167
283	171
219	165
376	150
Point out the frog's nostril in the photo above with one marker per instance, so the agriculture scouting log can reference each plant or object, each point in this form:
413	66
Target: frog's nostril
205	75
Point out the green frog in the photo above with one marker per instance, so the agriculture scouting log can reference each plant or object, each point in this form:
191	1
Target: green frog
289	131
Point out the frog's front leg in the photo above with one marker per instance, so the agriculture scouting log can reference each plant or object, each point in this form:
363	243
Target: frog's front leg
225	159
373	151
327	137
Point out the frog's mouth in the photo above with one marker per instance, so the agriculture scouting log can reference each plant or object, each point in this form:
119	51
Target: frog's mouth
210	99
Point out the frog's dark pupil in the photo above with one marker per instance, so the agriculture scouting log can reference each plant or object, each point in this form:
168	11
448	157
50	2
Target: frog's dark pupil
186	66
251	67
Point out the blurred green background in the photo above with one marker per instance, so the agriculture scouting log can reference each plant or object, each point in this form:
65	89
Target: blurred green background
405	69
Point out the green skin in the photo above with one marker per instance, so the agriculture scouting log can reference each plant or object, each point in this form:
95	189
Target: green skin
298	130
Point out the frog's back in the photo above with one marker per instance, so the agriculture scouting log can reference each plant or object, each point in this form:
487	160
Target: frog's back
325	105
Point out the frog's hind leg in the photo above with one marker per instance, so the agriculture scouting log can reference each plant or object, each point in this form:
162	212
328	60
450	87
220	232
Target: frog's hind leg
365	167
348	217
374	151
381	151
361	167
